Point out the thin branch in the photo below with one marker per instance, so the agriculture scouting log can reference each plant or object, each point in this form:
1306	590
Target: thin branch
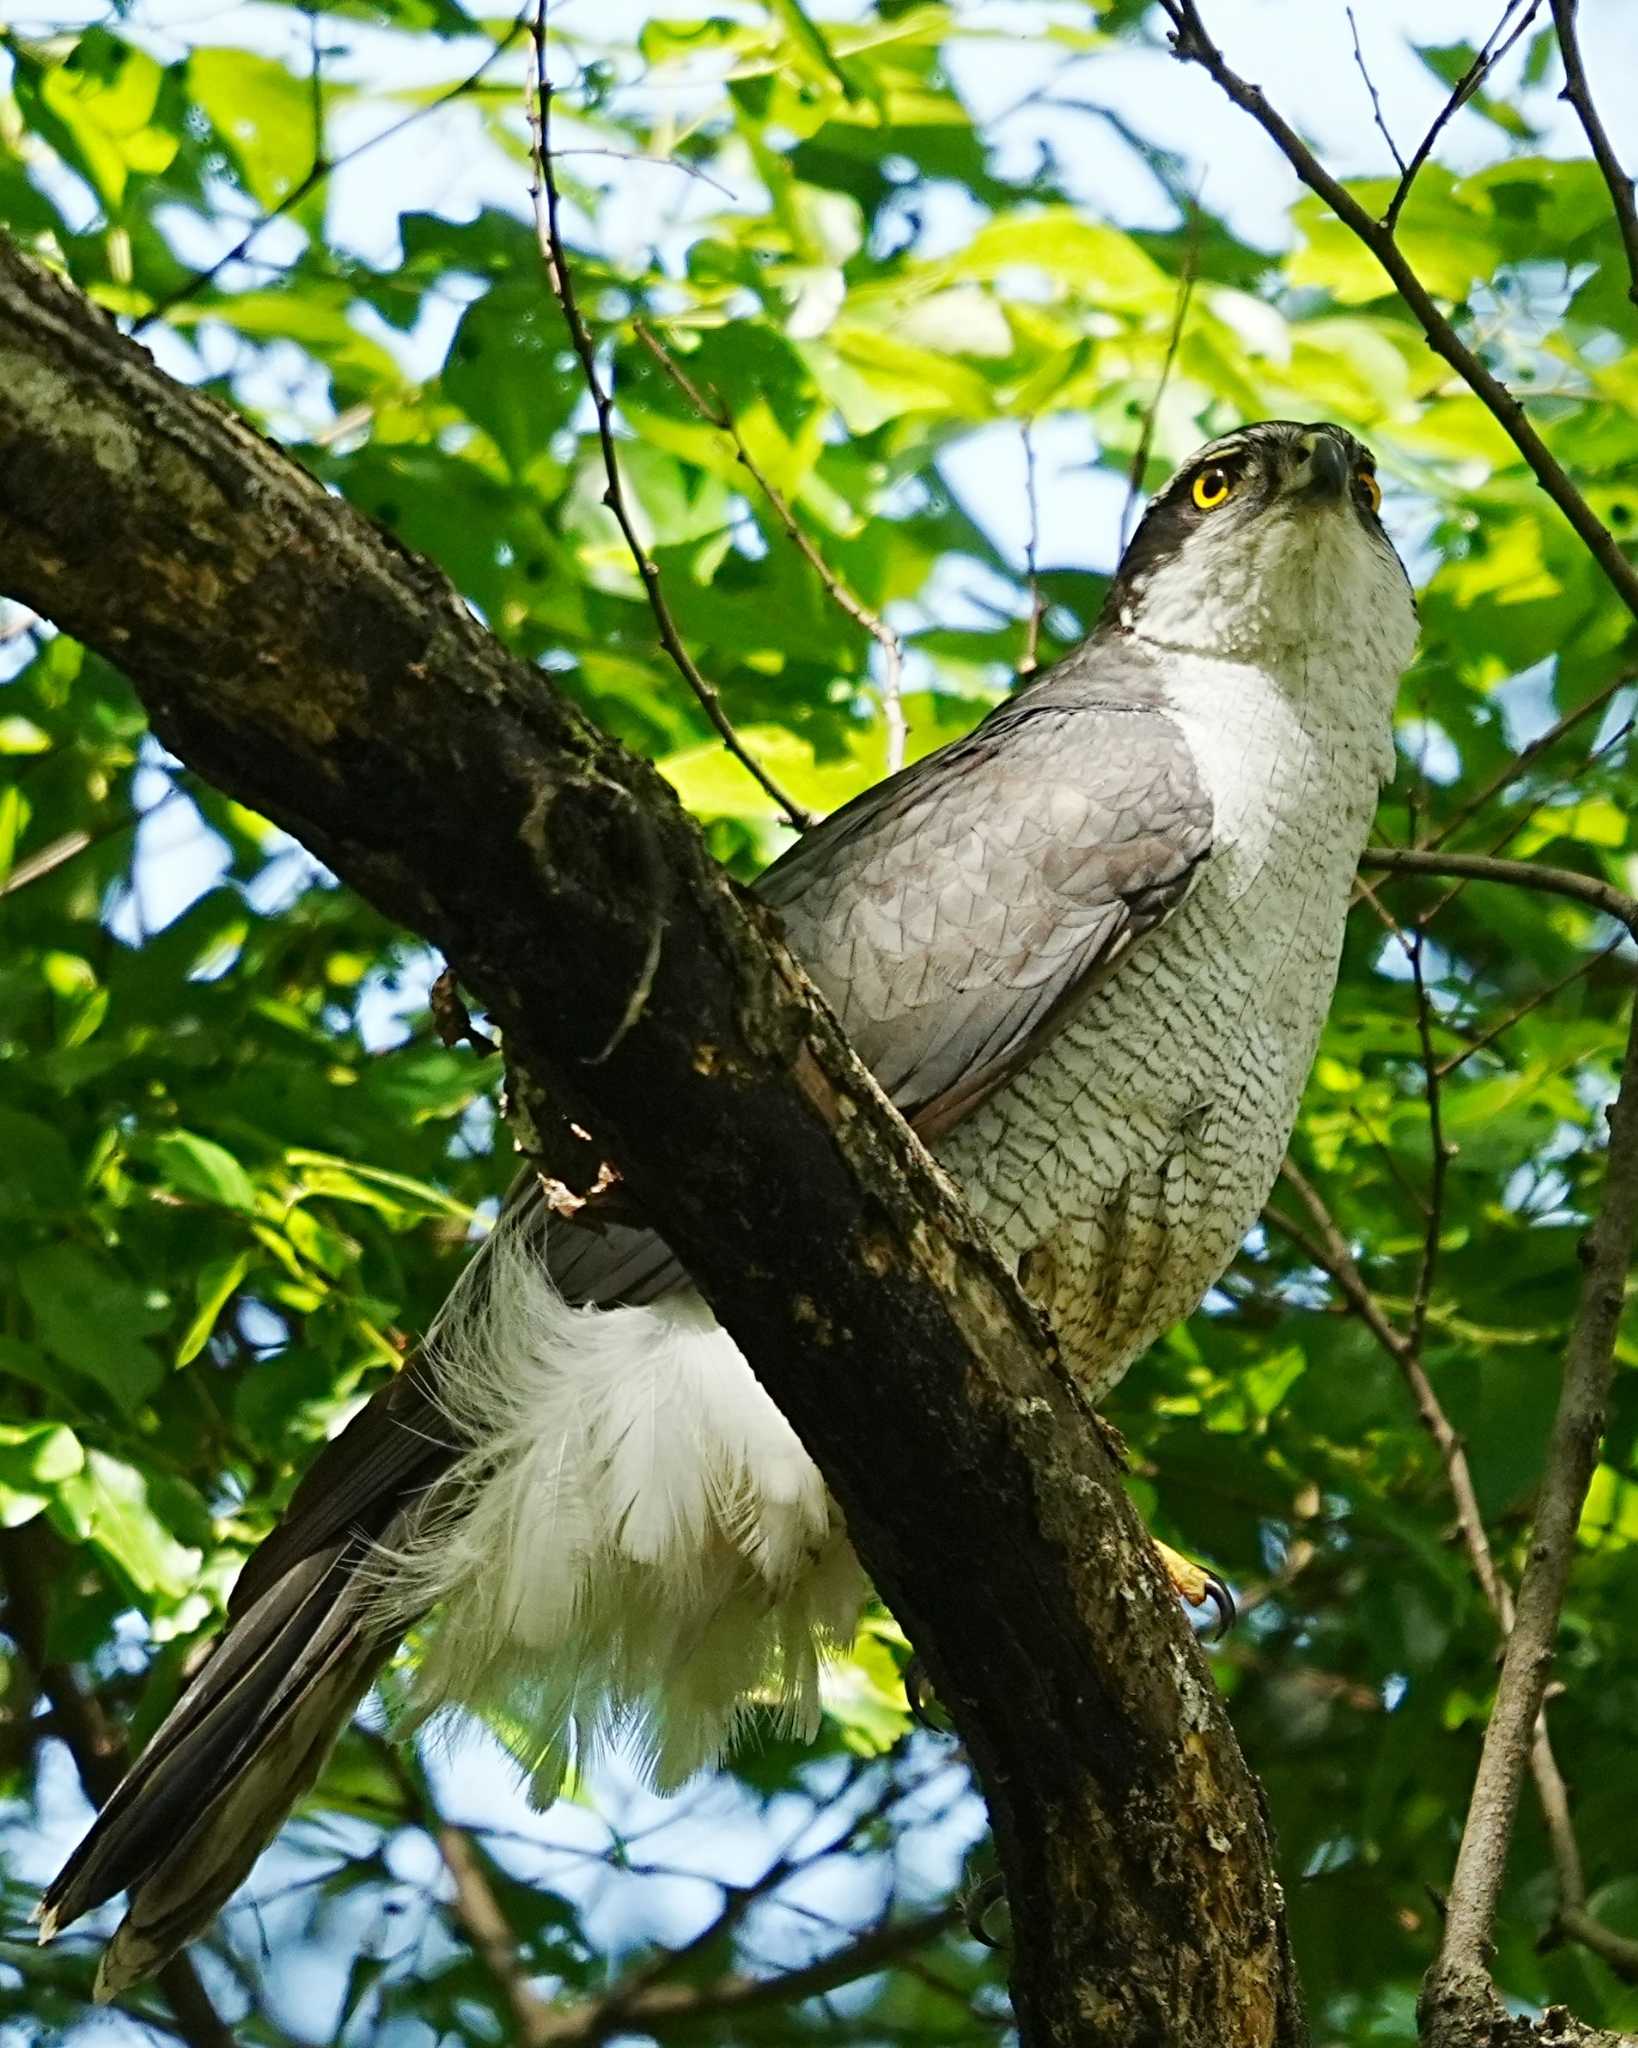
1370	87
1466	86
1330	1252
1441	1150
1533	810
1180	314
543	193
491	1936
1579	94
715	413
1533	1001
1527	757
1194	46
668	163
1571	1455
644	1997
1517	874
321	168
1029	659
659	2005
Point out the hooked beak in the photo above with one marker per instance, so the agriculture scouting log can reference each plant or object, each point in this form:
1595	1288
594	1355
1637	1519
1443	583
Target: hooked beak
1323	471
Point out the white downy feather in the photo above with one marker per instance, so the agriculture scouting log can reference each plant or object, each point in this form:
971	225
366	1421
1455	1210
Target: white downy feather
636	1551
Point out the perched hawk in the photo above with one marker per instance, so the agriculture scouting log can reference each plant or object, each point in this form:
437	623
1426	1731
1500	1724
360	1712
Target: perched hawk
1087	950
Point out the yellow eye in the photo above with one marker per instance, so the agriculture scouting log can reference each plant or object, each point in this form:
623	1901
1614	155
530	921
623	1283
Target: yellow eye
1212	486
1369	489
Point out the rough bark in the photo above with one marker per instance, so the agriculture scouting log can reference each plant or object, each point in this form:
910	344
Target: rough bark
297	657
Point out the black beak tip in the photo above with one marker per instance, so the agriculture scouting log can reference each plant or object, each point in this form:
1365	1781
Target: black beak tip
1329	466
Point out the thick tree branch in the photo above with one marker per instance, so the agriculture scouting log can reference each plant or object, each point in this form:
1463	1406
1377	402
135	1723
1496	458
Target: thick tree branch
290	652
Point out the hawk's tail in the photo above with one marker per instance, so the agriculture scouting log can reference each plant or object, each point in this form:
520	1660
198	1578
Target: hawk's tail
246	1740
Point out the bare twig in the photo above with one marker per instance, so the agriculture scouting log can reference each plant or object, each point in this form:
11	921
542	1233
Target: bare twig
323	167
1579	94
1329	1251
1441	1150
544	195
1466	86
1180	314
1527	756
1533	1001
1370	87
668	163
1529	814
1029	659
715	413
1461	1972
1194	46
1517	874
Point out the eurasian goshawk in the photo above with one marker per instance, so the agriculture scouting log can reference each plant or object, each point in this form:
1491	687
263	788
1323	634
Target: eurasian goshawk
1087	950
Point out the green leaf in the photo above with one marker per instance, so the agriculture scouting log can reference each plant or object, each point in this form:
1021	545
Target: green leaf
204	1170
37	1176
106	1503
263	115
89	1315
218	1281
506	369
99	104
811	40
38	1454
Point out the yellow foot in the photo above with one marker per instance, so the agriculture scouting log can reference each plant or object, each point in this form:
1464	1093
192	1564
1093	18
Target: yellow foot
1197	1586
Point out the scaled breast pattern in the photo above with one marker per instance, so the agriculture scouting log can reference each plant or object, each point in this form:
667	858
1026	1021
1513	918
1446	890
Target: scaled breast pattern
1125	1164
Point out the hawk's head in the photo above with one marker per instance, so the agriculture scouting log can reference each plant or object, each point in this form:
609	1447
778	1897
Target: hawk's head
1266	545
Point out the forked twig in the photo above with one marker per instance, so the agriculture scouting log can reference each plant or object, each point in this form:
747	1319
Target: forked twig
715	413
1466	86
1193	45
543	194
324	166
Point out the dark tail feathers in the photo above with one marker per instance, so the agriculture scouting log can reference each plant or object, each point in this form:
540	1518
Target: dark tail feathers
246	1740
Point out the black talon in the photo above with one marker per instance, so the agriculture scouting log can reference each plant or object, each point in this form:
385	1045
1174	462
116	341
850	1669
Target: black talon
981	1901
918	1697
1222	1599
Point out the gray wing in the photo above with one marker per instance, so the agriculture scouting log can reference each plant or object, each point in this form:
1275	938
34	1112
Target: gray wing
960	913
954	916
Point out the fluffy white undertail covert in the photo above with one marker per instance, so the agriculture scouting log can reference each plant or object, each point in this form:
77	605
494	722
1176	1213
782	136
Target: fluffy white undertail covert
635	1552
